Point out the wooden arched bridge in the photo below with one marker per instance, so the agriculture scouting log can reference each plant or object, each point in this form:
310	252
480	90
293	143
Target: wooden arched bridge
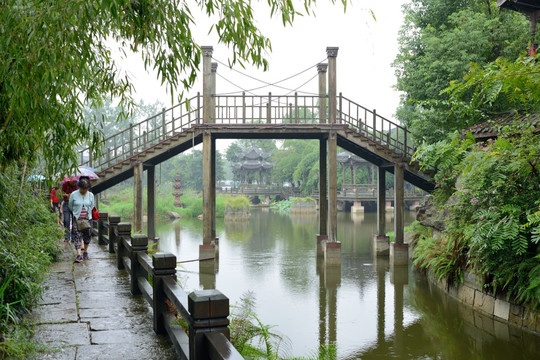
329	117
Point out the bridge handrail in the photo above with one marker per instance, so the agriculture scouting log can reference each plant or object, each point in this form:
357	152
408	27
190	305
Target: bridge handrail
248	109
145	134
378	128
154	278
269	109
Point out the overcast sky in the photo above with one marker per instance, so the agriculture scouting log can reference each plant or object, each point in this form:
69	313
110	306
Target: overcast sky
367	47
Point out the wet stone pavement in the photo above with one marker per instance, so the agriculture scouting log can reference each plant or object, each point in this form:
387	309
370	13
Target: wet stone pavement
87	312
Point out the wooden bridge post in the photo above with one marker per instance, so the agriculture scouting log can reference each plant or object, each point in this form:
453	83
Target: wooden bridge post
213	188
213	71
151	200
321	69
207	83
138	196
399	251
380	240
332	249
323	199
269	109
332	52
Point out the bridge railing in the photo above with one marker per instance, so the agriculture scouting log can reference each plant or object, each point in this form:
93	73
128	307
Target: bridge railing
377	128
144	134
267	109
304	109
205	312
248	109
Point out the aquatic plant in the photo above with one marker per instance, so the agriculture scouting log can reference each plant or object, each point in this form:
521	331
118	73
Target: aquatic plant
255	340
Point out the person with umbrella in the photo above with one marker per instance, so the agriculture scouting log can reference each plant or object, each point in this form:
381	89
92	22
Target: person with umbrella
81	203
68	186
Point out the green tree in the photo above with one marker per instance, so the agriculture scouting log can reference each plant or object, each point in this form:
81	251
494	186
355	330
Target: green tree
438	42
55	56
501	85
113	122
298	161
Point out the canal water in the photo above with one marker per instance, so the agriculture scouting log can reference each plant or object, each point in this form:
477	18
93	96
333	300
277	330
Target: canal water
367	308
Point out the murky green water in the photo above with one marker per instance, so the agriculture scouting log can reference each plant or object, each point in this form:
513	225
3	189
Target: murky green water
367	308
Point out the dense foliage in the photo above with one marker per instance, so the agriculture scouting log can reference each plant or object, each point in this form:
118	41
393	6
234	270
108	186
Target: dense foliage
121	203
491	192
56	56
28	243
438	43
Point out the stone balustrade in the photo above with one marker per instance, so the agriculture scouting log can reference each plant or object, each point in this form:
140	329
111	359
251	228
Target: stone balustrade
205	312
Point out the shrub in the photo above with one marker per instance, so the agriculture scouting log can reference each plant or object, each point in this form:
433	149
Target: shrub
491	192
29	240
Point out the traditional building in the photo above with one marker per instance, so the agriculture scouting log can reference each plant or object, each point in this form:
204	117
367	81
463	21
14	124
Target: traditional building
254	161
352	162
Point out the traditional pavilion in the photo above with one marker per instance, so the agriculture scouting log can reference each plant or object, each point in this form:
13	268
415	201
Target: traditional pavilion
254	161
352	162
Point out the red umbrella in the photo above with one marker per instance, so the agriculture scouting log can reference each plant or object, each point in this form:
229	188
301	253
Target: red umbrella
84	171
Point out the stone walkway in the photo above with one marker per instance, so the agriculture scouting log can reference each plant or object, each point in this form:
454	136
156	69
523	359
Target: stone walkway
87	312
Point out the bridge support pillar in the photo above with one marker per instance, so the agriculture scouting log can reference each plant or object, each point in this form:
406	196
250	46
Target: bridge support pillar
138	197
380	240
323	199
209	189
151	199
321	241
332	253
399	251
357	208
207	272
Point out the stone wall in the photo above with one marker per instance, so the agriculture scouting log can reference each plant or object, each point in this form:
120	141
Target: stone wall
304	207
237	214
470	292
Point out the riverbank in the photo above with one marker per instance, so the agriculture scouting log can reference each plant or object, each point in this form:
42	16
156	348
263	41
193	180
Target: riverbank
470	292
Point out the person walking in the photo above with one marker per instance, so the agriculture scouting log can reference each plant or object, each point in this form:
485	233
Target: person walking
68	187
66	217
55	204
81	203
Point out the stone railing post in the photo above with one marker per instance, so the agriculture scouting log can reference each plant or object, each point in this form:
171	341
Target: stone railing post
164	265
139	244
209	310
113	224
124	229
103	217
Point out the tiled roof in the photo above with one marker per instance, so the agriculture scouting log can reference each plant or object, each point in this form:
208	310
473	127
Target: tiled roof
491	127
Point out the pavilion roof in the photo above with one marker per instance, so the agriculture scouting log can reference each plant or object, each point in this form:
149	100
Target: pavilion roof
347	158
490	128
253	165
253	153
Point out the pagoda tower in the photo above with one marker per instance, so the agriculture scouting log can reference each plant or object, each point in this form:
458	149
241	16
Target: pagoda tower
177	192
